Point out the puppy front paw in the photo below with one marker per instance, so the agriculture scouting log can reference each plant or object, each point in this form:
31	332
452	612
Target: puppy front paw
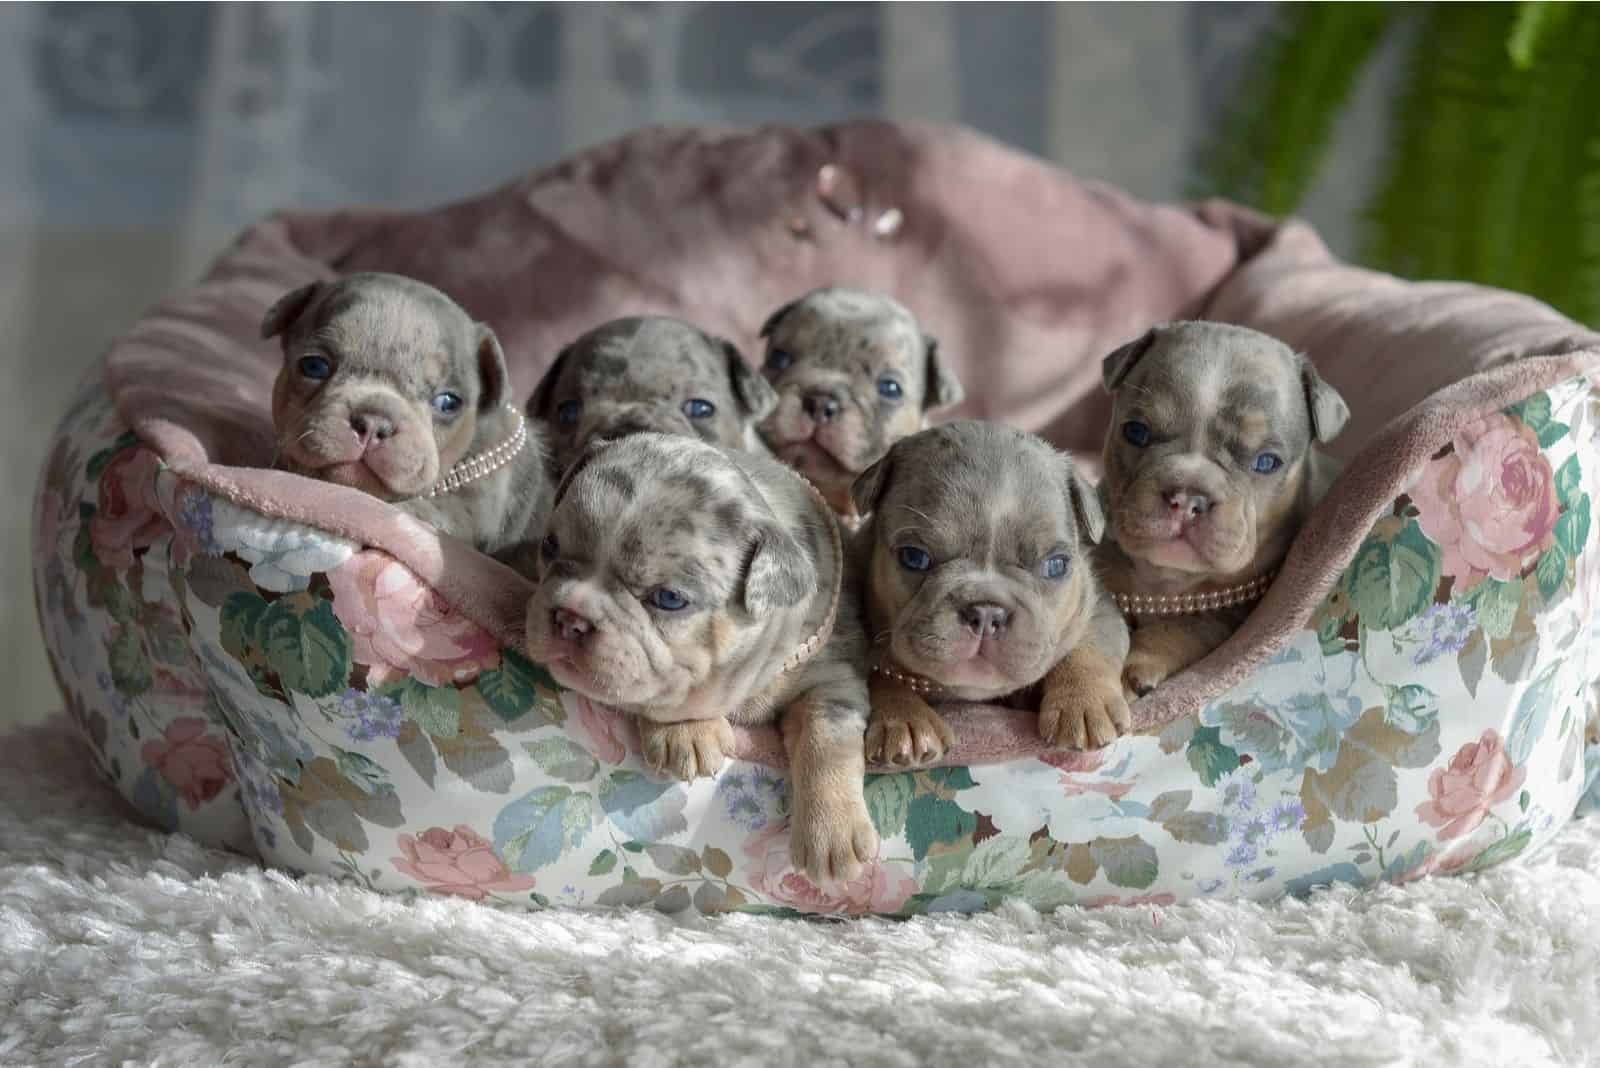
1143	672
686	750
904	731
831	839
1083	705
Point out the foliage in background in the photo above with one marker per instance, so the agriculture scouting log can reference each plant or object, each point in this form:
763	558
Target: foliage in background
1493	168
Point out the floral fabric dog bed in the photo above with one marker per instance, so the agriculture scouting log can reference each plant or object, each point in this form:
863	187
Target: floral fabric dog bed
298	671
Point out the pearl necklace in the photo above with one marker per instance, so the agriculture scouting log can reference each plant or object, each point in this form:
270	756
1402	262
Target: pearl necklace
484	464
809	648
1188	604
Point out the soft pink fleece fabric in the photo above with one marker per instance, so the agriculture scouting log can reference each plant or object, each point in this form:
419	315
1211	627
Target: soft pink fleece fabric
1026	275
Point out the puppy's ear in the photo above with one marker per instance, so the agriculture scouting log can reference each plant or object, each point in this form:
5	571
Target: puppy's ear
493	378
943	388
755	394
287	308
1115	367
591	449
1327	409
1085	501
870	485
777	317
544	393
779	573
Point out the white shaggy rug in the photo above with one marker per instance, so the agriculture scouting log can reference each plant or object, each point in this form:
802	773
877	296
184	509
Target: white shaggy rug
120	945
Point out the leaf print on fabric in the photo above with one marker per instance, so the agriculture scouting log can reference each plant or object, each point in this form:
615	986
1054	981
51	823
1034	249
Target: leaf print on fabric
889	802
518	686
538	828
1363	785
282	555
1533	713
563	759
1130	862
474	754
1210	759
645	809
1392	579
333	807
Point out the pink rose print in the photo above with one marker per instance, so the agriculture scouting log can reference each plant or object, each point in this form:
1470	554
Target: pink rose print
880	888
459	862
127	515
611	734
1077	773
1491	504
1477	778
399	626
196	764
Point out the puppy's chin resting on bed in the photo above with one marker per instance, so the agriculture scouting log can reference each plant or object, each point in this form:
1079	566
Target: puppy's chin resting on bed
854	373
979	587
1211	466
386	386
697	587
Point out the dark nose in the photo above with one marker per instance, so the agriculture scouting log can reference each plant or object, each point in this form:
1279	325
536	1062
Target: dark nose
821	406
985	620
1187	504
369	425
571	626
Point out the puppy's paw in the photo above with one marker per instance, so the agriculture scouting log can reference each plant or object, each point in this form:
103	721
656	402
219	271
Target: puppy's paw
686	750
1143	672
831	839
904	731
1083	705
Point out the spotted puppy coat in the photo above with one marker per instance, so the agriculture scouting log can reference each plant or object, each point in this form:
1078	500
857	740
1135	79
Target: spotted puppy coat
388	386
854	373
979	587
1211	465
696	587
649	374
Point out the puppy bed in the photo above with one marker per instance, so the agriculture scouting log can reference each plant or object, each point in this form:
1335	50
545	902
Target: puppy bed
301	672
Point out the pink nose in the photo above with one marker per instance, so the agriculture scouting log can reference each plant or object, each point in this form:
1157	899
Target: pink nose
370	425
1185	505
571	626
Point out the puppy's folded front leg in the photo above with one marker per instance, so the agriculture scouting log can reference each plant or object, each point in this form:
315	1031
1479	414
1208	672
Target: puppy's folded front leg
686	750
1164	647
904	730
1083	706
830	831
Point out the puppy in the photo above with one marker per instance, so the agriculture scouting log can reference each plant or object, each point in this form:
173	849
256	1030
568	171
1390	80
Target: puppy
388	386
695	587
649	374
854	374
1210	466
976	561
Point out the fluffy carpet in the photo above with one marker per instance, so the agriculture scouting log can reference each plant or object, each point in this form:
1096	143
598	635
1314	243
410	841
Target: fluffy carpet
121	945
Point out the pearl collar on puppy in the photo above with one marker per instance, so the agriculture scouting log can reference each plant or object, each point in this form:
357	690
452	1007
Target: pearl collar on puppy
915	683
1189	604
810	647
486	463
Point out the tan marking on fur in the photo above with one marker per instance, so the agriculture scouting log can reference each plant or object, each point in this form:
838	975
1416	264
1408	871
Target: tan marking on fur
831	835
903	731
1082	704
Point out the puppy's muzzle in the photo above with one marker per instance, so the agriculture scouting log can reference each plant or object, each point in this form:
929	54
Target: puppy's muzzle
570	627
823	406
371	425
985	619
1186	504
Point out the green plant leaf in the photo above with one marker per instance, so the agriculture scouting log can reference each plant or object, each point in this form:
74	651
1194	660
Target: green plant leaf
1552	571
931	819
1569	480
1536	21
512	688
1392	581
1572	529
603	863
436	709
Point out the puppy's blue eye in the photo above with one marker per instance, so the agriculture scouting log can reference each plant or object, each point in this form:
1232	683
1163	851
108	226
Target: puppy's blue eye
316	368
669	600
695	408
567	413
779	360
889	389
1136	433
1054	567
1267	463
446	403
914	559
550	548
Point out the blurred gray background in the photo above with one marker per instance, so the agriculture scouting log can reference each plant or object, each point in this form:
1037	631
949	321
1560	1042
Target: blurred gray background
135	140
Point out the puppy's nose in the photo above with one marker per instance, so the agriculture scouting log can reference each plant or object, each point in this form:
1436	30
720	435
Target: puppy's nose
821	406
571	626
371	425
1185	504
985	620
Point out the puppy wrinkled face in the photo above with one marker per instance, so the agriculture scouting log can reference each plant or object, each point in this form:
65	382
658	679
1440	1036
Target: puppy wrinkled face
978	575
1207	453
381	383
648	574
854	374
655	375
